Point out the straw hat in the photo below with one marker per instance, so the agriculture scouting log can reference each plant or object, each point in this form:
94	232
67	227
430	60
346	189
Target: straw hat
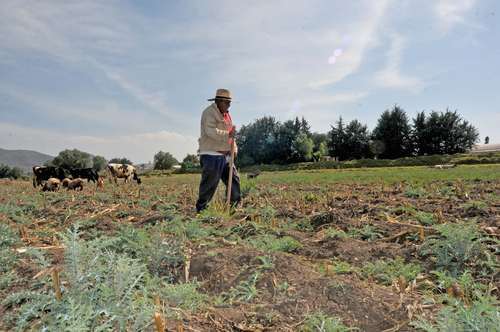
222	94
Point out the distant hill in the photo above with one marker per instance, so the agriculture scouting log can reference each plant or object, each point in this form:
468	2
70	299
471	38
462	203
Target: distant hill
24	159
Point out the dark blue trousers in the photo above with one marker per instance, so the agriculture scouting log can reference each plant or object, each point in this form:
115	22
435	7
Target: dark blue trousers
215	168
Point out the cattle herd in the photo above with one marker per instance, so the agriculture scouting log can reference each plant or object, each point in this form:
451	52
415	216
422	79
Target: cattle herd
52	178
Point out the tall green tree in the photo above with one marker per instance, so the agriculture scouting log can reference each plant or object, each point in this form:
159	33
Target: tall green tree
10	172
257	141
442	133
164	160
393	130
190	161
357	140
288	132
99	163
122	160
303	147
458	134
72	159
337	140
320	148
420	134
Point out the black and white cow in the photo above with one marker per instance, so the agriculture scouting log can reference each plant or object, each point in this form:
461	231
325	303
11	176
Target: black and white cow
84	173
123	171
43	173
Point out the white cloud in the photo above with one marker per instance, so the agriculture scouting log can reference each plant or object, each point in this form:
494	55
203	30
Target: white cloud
321	110
79	34
274	54
452	12
137	147
391	76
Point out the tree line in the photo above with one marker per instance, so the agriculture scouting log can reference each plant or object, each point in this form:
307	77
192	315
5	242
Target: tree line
268	141
74	158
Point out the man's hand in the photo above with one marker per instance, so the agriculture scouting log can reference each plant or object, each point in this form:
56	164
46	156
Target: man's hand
232	132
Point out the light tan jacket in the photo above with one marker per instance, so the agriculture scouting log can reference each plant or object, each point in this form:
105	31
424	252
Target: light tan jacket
214	134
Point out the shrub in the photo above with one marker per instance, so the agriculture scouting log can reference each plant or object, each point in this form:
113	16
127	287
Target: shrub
245	291
480	316
367	233
333	233
414	192
247	187
425	218
320	322
456	247
160	255
271	243
385	271
184	296
10	172
341	267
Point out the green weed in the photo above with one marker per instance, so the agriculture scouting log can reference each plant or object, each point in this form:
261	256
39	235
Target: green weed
245	291
320	322
425	218
414	192
475	208
385	271
272	243
367	233
333	233
481	316
456	247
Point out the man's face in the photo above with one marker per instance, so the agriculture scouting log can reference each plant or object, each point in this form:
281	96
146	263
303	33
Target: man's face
223	105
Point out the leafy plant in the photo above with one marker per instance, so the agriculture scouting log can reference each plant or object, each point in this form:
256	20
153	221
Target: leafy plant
385	271
466	283
456	247
414	192
184	296
245	291
475	208
481	316
425	218
367	233
272	243
247	187
320	322
341	267
311	197
333	233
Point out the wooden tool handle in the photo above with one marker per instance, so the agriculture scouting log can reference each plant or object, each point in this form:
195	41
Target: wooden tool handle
230	178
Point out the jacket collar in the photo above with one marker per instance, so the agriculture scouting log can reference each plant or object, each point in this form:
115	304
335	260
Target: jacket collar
216	111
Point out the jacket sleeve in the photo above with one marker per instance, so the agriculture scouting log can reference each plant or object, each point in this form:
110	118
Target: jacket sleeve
209	124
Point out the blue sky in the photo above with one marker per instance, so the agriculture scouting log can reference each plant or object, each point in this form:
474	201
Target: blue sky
130	78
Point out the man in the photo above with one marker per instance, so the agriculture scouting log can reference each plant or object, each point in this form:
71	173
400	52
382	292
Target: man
217	136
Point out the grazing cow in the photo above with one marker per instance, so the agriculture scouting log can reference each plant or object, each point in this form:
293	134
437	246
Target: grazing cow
84	173
73	184
52	184
123	171
43	173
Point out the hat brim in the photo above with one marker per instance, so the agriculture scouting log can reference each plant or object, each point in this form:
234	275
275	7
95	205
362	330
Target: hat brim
220	98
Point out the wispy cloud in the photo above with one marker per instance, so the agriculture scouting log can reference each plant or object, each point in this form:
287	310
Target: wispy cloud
276	54
391	76
79	34
452	12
